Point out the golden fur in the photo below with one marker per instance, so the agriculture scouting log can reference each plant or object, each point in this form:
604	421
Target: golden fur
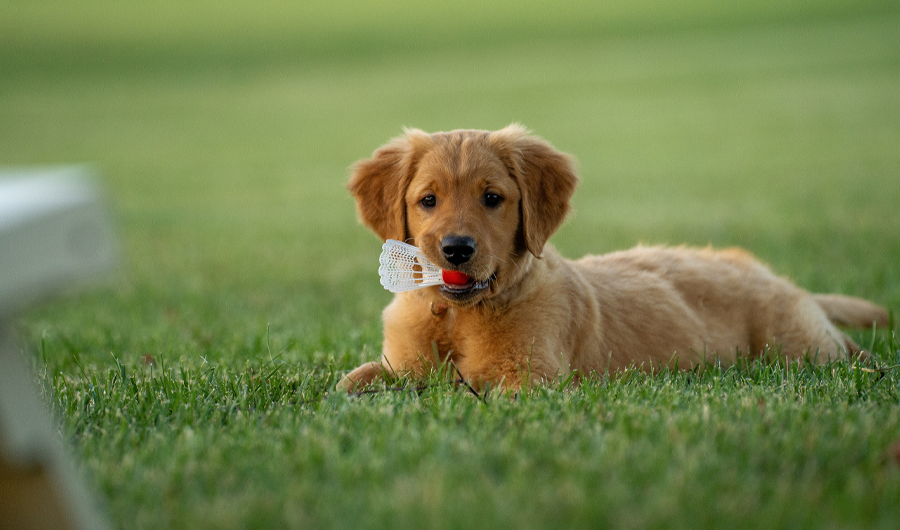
538	314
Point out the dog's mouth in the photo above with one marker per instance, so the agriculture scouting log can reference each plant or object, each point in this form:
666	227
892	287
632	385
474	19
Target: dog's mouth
460	292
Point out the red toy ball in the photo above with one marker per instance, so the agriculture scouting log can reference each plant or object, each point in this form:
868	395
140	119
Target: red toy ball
455	277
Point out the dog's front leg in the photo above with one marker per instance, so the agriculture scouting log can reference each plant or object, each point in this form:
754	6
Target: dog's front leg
416	340
510	362
416	334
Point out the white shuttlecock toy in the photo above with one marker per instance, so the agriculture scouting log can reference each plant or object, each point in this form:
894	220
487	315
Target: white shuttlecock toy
404	268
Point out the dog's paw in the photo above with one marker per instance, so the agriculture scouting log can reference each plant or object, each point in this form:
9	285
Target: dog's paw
360	377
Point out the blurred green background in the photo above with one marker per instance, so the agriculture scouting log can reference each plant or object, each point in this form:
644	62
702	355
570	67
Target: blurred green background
224	130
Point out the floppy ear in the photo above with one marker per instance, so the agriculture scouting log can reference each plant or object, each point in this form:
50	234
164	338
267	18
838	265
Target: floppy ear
379	184
546	179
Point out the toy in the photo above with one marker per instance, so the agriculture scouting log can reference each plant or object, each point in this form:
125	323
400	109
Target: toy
403	267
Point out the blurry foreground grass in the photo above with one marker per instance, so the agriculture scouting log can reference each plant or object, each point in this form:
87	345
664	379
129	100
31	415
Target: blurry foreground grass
224	134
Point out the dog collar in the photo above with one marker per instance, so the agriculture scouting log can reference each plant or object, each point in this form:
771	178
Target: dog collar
438	309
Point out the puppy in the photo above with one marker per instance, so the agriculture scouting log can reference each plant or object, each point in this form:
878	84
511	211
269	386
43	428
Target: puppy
485	203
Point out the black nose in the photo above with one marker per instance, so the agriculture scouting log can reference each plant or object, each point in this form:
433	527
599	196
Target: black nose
457	249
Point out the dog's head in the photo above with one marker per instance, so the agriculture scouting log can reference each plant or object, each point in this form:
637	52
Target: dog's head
473	201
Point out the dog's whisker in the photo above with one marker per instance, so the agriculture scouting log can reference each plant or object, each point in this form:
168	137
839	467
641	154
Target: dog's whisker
515	261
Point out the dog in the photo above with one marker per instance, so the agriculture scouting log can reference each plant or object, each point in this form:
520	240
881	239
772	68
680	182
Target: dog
484	204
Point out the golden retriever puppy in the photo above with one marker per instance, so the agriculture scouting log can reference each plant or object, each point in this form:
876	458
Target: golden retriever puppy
485	203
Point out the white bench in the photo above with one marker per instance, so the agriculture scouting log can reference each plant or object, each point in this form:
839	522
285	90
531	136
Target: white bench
54	233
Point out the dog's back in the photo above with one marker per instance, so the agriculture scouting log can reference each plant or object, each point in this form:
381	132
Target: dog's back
694	305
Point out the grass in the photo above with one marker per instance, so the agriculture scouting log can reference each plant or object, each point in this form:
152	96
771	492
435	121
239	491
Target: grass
663	450
224	135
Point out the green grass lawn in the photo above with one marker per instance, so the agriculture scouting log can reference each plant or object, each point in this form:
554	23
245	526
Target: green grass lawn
224	131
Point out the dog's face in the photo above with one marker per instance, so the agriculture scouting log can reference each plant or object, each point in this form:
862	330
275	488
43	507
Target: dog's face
477	202
462	211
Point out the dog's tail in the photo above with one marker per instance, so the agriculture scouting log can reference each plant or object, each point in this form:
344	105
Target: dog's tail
852	312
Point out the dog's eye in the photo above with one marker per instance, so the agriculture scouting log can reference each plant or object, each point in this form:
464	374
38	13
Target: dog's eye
492	199
429	201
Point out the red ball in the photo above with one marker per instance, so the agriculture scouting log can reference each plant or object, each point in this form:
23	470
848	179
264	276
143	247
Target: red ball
455	277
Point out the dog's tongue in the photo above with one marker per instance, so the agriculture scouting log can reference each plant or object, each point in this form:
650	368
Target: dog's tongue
455	277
